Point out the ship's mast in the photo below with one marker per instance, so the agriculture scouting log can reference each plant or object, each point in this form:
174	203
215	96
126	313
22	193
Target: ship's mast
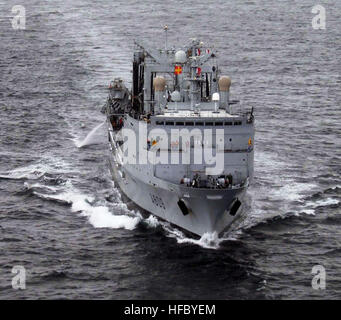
166	42
194	93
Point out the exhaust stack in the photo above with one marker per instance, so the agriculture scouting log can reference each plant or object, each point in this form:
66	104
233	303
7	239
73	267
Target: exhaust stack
224	92
159	87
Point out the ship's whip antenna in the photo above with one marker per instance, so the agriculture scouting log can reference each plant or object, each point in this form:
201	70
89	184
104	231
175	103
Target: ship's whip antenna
166	29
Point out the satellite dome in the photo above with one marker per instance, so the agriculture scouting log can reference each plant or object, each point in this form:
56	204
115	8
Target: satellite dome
180	57
215	96
175	95
224	83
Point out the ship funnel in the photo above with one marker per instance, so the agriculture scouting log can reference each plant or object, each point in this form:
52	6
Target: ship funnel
224	90
159	87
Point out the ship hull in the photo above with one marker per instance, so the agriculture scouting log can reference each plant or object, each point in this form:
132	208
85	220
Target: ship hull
209	210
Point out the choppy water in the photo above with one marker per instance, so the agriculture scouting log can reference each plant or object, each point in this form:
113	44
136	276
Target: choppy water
64	221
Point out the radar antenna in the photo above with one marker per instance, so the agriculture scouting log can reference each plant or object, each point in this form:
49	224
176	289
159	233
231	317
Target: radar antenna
166	29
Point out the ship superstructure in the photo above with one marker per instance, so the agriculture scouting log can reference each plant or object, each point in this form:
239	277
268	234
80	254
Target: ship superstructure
192	158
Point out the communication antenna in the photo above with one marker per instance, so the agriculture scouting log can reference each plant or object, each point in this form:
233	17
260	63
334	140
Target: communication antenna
166	29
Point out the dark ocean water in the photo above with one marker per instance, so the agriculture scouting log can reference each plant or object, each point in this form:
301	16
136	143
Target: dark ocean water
61	216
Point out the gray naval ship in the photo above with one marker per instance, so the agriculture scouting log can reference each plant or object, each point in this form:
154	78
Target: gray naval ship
192	158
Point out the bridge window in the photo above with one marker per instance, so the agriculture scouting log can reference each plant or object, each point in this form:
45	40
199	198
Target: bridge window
160	123
189	123
208	123
179	123
199	123
237	123
218	124
228	123
169	123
